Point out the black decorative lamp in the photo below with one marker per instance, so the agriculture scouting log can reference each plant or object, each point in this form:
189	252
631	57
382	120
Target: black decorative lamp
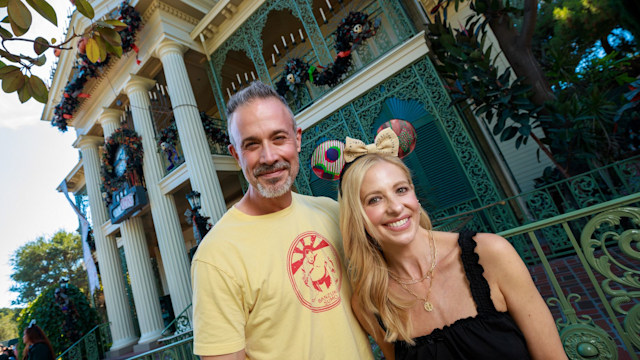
200	223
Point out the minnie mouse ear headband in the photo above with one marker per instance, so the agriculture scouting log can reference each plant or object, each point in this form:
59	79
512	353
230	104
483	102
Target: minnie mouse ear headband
31	323
331	158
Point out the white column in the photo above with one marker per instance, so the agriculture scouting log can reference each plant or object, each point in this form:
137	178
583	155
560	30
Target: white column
122	330
163	208
145	294
110	121
202	171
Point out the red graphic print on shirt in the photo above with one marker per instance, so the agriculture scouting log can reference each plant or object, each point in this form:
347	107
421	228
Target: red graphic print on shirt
314	271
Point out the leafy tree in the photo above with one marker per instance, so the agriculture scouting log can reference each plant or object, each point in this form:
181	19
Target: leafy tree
40	263
8	324
578	113
49	316
98	40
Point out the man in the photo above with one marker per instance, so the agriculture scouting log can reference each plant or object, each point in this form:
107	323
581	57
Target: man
269	279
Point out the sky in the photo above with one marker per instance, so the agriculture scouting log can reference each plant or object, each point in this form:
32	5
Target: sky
35	159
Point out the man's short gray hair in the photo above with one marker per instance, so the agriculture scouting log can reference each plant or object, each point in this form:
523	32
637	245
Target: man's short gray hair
255	90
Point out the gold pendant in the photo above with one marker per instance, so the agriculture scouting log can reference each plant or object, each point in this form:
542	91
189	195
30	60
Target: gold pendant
428	306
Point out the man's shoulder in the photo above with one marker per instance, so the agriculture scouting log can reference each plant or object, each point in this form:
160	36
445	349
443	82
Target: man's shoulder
318	203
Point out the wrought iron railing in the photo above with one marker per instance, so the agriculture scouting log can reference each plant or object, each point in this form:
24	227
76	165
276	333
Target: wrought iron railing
179	329
594	292
590	188
180	350
91	346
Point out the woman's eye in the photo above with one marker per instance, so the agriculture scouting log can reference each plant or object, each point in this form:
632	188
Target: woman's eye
402	189
373	200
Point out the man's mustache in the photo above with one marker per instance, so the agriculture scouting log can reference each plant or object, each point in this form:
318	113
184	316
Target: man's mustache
263	169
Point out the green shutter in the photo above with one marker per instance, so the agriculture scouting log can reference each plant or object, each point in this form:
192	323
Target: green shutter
437	174
321	187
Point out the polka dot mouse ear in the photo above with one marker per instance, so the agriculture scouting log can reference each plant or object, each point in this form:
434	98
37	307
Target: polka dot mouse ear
406	135
328	160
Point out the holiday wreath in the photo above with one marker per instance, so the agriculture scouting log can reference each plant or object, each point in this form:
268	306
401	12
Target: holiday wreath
132	174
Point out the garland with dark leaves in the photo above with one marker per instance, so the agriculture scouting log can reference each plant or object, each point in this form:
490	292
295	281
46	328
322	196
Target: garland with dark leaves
352	32
86	70
133	173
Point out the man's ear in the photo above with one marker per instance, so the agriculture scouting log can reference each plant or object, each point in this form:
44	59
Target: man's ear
232	151
299	138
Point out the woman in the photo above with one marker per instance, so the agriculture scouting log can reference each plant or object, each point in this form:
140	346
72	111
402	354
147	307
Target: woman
424	294
37	346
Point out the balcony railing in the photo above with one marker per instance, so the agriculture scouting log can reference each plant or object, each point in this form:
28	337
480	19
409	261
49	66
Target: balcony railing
590	188
593	292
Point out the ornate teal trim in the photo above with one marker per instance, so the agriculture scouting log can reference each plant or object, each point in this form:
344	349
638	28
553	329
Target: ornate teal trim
416	82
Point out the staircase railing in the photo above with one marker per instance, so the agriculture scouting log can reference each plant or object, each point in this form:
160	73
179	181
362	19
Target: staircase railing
180	328
91	346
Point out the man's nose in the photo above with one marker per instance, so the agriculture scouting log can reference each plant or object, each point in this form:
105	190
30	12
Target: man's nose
269	154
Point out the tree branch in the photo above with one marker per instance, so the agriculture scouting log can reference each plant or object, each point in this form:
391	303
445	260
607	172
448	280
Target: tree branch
529	18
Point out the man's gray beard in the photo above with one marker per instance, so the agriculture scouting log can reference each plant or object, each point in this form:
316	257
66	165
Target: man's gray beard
274	191
271	192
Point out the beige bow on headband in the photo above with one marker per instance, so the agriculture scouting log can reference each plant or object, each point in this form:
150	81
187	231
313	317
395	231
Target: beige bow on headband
386	142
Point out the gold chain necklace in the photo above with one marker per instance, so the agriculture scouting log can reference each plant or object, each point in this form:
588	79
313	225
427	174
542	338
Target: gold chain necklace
428	306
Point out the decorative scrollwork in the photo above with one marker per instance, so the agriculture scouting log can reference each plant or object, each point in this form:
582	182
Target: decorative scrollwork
586	191
580	336
582	341
620	229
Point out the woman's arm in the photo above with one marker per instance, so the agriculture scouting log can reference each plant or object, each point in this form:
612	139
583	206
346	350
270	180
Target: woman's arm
504	266
377	333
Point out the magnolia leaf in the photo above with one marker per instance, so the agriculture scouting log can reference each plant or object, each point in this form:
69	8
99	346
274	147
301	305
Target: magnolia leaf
115	50
6	70
102	45
24	93
3	3
103	24
19	15
40	60
39	90
12	81
17	30
116	24
40	45
93	50
2	64
110	36
5	33
508	133
45	10
85	8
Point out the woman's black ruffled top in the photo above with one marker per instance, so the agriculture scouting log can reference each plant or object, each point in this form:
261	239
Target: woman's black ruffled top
489	335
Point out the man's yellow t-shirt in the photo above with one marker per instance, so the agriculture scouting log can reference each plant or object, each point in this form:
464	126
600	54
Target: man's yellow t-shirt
276	286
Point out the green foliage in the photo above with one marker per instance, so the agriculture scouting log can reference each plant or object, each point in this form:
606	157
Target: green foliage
475	81
101	38
50	318
40	263
567	30
8	324
583	126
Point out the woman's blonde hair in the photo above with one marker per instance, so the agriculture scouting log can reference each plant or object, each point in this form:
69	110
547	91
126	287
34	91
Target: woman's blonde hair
368	271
